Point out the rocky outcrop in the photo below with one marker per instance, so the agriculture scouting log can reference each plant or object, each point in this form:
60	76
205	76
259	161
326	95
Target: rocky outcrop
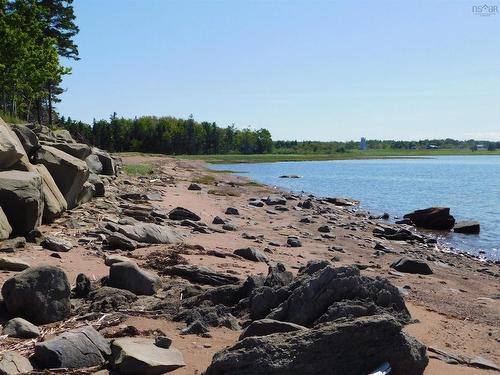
437	218
264	327
39	294
28	139
21	200
68	172
107	162
5	228
352	347
77	348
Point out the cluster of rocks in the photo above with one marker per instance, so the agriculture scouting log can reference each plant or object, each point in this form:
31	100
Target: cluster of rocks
43	173
324	320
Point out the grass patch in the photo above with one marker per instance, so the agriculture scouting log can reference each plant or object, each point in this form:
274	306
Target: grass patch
138	169
350	154
224	192
204	179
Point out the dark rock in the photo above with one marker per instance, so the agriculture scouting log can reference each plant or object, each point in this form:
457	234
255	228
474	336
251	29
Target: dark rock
78	150
467	227
108	299
232	211
252	254
195	328
82	287
294	242
409	265
324	229
180	213
202	275
265	327
195	187
212	316
278	276
307	204
13	264
437	218
129	276
39	294
28	139
218	220
77	348
351	347
256	203
117	240
20	328
163	342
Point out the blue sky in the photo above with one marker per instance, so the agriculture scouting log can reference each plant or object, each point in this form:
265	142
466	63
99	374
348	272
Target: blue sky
320	70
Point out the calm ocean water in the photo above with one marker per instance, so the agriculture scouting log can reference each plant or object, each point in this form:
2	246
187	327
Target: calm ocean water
469	185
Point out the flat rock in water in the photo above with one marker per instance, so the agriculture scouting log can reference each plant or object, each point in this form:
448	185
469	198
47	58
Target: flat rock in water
140	355
437	218
252	254
356	346
410	265
265	327
129	276
13	363
339	201
21	328
77	348
181	213
467	227
57	244
13	264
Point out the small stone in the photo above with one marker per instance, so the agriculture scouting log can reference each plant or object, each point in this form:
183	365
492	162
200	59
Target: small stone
163	342
57	244
20	328
229	227
13	264
232	211
195	187
218	220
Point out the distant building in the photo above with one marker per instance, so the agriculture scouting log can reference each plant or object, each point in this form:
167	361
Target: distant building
432	147
481	147
362	144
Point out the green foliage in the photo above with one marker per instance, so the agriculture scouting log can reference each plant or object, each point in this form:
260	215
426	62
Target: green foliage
138	169
33	34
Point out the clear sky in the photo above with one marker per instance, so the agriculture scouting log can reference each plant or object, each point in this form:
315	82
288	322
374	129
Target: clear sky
319	70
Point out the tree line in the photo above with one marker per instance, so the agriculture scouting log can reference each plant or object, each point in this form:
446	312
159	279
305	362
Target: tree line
34	36
169	135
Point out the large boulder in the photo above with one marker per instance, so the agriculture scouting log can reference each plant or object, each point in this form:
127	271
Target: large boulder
128	276
264	327
39	294
78	150
69	173
140	355
11	149
21	200
437	218
28	139
21	328
77	348
55	203
5	228
354	347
